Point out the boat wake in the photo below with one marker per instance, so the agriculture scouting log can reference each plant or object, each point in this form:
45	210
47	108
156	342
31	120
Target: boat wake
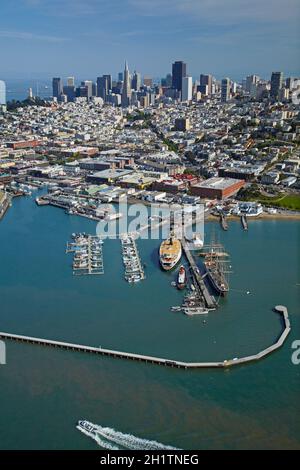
109	438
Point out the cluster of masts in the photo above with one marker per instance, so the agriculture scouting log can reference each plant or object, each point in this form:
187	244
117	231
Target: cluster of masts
88	256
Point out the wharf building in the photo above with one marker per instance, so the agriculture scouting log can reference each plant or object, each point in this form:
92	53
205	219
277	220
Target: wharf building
217	188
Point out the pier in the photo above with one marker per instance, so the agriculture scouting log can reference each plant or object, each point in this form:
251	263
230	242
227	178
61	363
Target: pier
209	300
88	255
223	222
282	310
5	202
134	271
244	222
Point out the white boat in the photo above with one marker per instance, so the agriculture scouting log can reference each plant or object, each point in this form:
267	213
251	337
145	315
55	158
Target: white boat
86	426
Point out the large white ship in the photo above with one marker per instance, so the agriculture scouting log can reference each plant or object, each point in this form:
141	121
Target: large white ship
170	252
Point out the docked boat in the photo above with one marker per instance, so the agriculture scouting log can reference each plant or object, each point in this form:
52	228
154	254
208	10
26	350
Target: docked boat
181	278
216	275
170	252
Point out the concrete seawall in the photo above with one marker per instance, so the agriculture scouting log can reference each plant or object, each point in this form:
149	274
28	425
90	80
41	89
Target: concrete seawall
157	360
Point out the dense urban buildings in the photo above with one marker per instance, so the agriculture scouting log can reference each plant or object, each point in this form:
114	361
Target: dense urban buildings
198	140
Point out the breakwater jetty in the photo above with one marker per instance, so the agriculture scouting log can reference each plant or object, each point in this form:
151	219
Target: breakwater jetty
280	309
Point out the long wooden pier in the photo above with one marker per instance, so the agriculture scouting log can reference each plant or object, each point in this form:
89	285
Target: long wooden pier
210	301
157	360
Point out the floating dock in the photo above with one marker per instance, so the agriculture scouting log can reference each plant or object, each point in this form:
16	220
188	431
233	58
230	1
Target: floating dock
282	310
88	255
134	271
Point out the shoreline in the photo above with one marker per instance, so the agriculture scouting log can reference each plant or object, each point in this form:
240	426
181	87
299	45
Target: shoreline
279	216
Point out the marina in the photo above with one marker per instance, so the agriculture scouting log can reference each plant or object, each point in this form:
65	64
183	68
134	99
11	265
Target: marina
88	254
134	271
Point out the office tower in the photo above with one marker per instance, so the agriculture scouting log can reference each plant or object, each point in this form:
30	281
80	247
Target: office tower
262	91
70	81
108	78
148	81
89	85
203	89
69	91
104	85
120	77
136	81
225	90
2	93
144	100
206	80
94	89
57	87
253	90
82	92
187	89
284	94
101	87
289	83
251	80
178	72
276	84
126	91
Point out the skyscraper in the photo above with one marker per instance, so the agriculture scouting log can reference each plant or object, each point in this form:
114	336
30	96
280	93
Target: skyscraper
206	80
276	84
2	93
126	91
136	81
104	85
57	87
178	72
69	91
148	81
70	81
225	90
89	85
251	80
187	89
109	81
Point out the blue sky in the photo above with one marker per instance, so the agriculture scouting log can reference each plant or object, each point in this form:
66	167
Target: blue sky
87	38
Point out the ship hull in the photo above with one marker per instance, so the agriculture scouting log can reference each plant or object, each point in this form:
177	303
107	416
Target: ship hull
181	279
219	289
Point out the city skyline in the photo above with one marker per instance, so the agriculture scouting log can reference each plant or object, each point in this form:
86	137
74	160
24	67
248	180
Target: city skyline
227	40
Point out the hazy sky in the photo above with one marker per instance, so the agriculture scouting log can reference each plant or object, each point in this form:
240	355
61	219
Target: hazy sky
87	38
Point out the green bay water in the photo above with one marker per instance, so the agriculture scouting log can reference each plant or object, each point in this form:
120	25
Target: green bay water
44	392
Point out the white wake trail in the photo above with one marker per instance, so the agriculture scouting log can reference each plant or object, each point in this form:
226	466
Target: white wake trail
127	441
99	441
